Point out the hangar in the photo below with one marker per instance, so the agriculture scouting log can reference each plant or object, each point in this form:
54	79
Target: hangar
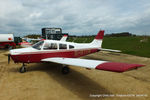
52	33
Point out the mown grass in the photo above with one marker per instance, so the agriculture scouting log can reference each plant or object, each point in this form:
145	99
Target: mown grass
138	45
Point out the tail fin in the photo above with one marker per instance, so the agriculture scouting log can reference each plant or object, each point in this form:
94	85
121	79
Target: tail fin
64	38
98	39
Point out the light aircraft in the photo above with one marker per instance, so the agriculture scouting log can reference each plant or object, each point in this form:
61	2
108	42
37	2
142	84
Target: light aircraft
67	53
27	41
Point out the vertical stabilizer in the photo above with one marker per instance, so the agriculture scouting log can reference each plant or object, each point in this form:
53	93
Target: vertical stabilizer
98	39
64	38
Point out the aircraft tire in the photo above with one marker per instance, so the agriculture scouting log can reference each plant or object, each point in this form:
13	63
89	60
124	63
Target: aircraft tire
22	70
65	70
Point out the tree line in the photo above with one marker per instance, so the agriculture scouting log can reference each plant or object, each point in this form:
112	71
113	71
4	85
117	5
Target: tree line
84	36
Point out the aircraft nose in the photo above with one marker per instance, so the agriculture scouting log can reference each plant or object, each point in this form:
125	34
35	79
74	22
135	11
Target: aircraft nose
13	52
10	52
9	55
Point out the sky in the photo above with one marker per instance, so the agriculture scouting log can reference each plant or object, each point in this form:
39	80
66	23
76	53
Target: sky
76	17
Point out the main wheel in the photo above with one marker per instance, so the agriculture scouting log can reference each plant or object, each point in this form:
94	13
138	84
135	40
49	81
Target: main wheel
22	69
65	70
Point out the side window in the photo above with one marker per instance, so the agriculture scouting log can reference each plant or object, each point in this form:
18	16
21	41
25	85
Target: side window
51	46
62	46
71	46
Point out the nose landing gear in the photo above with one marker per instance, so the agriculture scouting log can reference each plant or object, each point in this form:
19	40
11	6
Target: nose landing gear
23	69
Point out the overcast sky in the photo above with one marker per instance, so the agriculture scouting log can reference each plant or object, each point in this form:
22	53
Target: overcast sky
79	17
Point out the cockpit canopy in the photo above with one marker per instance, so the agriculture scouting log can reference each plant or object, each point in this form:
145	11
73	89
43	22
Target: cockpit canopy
38	45
48	45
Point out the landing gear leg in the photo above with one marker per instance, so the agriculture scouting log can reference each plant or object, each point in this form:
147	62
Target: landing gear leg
65	69
22	69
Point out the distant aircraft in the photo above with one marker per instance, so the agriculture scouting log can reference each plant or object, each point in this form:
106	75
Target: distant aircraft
27	41
64	38
67	53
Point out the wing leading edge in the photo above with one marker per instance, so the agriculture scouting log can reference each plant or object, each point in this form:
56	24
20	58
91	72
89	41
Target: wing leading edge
94	64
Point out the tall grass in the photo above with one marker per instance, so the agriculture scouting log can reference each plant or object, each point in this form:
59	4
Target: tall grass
138	45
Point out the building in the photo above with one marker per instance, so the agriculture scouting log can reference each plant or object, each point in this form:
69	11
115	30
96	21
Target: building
52	33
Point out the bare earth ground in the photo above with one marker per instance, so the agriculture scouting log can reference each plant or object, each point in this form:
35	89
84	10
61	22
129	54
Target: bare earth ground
45	81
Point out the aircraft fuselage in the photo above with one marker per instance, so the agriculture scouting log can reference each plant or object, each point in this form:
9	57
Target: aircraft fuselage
37	56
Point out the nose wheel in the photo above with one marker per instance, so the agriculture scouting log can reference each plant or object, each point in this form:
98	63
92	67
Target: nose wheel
23	69
65	70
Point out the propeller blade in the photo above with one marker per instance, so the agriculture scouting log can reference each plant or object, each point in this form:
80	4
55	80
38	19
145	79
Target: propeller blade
10	47
8	58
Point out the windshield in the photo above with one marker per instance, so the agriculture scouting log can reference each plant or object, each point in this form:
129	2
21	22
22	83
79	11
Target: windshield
38	45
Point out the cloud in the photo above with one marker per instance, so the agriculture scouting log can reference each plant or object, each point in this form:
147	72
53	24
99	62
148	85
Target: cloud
75	16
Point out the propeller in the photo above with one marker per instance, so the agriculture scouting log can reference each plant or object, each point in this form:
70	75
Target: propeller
8	58
10	47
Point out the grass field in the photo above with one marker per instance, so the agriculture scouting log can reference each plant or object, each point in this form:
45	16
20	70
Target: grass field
138	45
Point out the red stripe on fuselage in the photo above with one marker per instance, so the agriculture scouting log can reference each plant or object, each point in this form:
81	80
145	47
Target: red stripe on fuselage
36	57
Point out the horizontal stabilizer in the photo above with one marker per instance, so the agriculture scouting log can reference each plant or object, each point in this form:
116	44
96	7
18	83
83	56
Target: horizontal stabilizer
95	64
111	50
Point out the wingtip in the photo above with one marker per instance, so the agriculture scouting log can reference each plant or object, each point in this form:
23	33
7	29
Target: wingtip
117	67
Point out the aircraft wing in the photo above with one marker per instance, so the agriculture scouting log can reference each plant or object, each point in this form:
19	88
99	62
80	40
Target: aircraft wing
94	64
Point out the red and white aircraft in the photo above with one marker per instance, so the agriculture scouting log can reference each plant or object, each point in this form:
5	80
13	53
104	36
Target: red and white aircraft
67	53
